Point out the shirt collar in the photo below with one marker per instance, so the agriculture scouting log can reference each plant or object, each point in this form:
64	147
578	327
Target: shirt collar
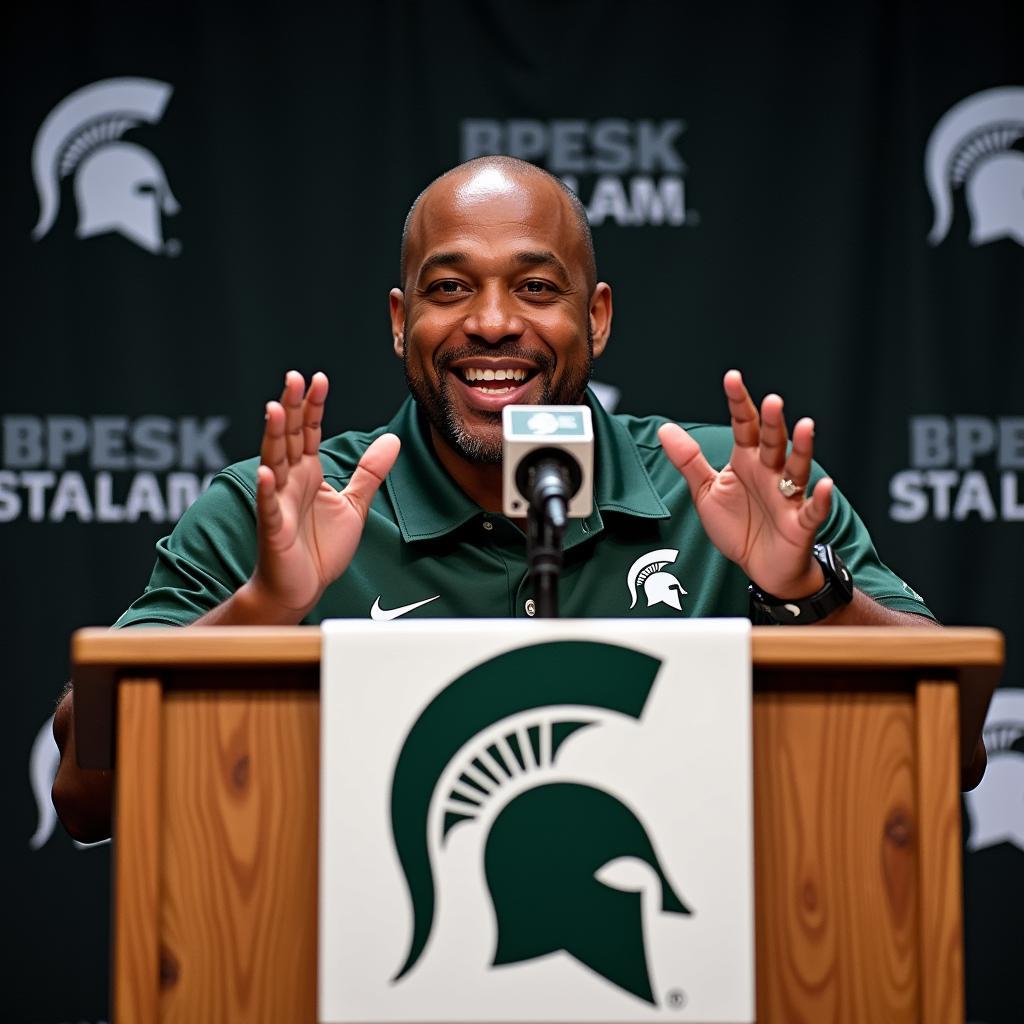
429	504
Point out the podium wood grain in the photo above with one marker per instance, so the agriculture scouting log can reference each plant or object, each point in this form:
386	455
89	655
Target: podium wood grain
857	830
942	999
836	871
239	867
138	815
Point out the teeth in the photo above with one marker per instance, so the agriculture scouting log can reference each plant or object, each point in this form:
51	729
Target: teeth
495	391
472	373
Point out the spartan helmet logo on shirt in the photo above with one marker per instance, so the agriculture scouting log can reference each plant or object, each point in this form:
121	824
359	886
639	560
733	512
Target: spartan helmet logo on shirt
485	754
659	587
972	147
119	186
996	807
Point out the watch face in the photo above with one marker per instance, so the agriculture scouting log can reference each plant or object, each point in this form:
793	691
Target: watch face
835	570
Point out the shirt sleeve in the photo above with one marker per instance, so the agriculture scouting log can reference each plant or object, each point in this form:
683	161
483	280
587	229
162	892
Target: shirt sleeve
210	553
846	533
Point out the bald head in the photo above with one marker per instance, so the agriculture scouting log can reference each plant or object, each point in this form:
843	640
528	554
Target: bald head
487	177
497	275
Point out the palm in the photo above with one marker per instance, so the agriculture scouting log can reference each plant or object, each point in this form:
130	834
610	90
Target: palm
308	531
741	507
743	520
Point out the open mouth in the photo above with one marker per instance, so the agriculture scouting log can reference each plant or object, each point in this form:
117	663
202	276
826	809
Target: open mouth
492	384
495	381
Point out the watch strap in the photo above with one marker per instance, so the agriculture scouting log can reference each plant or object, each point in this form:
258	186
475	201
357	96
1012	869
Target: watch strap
836	592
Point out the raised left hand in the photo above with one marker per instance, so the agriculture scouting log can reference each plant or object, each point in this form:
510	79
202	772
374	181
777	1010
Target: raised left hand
742	510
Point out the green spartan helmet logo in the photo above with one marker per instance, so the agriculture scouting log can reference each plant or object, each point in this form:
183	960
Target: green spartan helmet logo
548	843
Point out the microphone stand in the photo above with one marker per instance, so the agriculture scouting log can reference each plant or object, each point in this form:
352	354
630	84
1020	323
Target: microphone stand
545	521
544	555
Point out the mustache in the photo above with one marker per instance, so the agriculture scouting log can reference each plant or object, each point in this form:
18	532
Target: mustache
542	359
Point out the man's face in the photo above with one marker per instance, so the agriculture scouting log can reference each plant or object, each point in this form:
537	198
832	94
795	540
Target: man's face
496	306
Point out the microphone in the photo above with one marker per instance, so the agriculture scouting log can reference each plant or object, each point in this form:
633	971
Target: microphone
548	461
549	478
548	474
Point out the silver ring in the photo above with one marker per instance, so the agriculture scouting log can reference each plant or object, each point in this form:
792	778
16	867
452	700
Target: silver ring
788	488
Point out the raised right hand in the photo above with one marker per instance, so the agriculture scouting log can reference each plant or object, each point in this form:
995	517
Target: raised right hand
307	531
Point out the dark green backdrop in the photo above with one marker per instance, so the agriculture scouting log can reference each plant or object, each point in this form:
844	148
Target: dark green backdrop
757	182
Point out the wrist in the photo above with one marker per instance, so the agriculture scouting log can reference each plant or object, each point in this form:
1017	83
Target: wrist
794	587
258	605
808	598
803	586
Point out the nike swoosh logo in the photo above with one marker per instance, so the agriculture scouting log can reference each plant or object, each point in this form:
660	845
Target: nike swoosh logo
379	614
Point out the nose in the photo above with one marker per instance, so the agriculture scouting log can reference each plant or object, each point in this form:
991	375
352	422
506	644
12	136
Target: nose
492	318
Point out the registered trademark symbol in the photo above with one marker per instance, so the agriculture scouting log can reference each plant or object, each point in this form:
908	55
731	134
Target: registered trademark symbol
692	218
676	998
172	247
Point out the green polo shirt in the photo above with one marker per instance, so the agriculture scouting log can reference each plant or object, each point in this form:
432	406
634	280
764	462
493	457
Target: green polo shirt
429	551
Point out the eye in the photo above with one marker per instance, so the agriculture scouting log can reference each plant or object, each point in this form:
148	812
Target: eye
447	287
544	289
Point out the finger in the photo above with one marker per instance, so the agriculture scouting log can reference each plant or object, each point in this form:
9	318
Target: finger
268	508
291	399
375	464
313	413
814	511
773	437
273	453
742	410
684	453
798	465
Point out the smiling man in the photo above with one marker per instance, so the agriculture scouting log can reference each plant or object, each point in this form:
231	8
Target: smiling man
499	303
503	303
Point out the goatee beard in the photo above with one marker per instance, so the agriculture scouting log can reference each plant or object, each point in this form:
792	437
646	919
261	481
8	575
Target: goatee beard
485	449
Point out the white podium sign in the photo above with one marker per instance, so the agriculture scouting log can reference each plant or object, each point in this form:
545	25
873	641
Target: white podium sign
536	821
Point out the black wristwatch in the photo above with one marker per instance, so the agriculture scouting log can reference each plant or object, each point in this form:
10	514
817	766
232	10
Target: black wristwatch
837	591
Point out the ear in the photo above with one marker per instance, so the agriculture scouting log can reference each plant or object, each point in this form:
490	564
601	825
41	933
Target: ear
396	304
601	316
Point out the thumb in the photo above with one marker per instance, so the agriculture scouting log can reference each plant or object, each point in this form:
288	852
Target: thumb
373	467
684	453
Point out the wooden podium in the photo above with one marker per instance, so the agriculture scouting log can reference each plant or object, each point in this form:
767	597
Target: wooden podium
858	735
